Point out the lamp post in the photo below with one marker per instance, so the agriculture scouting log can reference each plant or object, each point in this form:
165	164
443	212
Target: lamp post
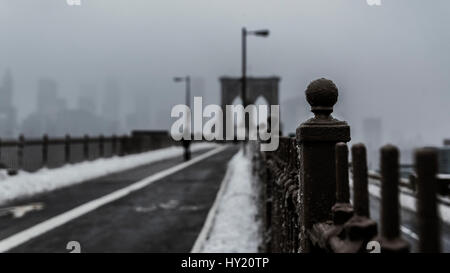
245	33
187	80
186	142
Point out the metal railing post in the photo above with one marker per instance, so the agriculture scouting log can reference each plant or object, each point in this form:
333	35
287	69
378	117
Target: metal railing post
101	146
45	150
390	237
86	147
20	151
67	149
426	160
316	140
114	145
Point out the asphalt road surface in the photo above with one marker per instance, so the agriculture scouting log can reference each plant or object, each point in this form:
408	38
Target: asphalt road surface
409	225
165	216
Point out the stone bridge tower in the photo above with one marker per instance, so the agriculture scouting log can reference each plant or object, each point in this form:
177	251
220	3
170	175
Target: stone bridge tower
266	87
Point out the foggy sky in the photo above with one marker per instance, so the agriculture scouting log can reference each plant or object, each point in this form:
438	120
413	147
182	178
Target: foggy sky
391	61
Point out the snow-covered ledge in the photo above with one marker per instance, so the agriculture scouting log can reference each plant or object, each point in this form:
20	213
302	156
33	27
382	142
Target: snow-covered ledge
26	184
233	224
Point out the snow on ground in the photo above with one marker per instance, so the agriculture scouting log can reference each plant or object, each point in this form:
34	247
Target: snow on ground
407	198
408	201
236	225
27	184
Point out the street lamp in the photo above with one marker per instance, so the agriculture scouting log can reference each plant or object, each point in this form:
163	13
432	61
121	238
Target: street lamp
187	80
186	142
245	32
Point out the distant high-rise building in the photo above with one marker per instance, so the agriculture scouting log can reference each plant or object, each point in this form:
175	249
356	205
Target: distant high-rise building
8	114
111	106
140	118
46	119
87	100
47	102
164	120
6	89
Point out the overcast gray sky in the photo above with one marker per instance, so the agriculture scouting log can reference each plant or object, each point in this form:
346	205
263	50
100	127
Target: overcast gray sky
391	61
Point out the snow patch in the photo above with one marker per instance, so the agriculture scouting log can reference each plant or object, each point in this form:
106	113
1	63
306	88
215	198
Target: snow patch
408	201
26	184
236	226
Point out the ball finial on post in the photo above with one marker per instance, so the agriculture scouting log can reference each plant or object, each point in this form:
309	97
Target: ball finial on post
322	95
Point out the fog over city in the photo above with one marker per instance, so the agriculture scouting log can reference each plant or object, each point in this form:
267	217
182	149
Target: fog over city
112	62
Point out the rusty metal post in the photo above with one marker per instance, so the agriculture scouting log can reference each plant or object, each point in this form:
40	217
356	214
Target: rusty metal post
45	150
316	140
67	149
360	180
101	146
359	229
86	147
20	149
426	164
113	145
123	144
342	210
390	238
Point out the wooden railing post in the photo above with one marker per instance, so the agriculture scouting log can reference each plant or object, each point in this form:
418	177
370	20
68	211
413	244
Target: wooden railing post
67	149
316	140
426	160
86	147
390	238
45	150
20	150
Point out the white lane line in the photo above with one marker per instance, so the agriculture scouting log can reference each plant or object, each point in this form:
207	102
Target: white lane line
409	233
54	222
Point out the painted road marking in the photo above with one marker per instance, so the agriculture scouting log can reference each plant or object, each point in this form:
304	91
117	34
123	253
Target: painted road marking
20	211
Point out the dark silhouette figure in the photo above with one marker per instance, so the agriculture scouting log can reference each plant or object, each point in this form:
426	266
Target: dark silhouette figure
187	151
